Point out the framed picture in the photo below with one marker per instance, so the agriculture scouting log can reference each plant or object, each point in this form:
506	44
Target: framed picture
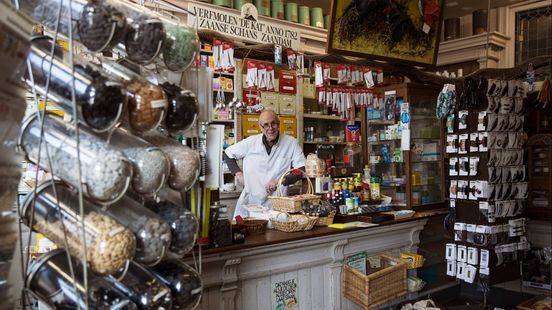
405	31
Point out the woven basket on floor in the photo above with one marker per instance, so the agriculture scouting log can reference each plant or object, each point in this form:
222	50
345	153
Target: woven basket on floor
292	204
295	222
374	289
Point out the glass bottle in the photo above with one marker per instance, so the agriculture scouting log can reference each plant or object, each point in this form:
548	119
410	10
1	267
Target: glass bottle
221	228
352	155
184	282
183	108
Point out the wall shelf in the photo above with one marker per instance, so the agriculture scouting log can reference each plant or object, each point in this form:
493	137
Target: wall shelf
326	143
326	117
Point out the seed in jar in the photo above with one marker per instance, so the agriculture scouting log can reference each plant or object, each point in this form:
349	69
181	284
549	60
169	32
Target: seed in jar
144	39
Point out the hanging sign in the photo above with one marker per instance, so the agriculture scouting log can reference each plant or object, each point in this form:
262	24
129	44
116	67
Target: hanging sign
248	25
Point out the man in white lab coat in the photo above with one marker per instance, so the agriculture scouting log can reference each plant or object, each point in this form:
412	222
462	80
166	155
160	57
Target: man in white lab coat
266	157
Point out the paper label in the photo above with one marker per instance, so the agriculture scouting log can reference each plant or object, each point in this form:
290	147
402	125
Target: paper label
160	103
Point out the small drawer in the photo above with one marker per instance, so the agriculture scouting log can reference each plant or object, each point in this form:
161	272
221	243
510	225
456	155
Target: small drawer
270	101
287	104
288	126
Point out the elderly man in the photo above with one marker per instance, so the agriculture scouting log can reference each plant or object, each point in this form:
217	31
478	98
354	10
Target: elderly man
266	157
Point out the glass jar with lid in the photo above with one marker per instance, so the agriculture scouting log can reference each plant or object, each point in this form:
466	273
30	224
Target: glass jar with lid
185	162
153	234
104	180
184	282
151	166
183	108
49	279
180	45
183	223
143	288
220	233
100	101
109	245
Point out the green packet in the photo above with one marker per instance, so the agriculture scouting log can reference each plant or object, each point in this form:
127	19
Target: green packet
357	261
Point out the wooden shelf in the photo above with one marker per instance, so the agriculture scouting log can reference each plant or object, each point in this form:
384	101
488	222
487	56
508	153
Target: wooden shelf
326	117
216	74
326	143
225	91
230	121
380	122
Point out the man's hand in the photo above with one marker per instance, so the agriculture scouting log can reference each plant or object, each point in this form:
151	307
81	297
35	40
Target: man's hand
239	175
271	186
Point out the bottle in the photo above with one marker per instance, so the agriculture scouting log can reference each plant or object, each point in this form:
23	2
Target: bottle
352	155
221	228
366	177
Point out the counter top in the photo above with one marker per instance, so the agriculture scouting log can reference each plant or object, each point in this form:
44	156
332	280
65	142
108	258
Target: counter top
274	236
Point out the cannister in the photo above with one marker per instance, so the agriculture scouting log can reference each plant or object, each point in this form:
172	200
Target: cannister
49	279
220	228
184	225
225	3
263	7
150	165
239	3
106	173
326	21
100	101
153	234
291	12
143	288
452	28
180	46
277	9
304	15
184	281
147	103
183	108
316	17
185	162
479	21
109	245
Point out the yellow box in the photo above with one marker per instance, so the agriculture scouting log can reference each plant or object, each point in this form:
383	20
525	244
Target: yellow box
309	90
287	104
250	125
288	126
412	260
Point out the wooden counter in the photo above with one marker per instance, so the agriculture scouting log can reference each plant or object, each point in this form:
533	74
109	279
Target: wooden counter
243	276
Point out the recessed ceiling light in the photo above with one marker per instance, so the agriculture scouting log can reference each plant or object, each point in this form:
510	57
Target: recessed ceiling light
451	3
467	8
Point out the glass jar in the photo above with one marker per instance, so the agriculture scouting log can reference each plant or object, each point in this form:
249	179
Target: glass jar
151	166
185	162
143	288
220	233
184	282
183	223
183	108
104	181
100	101
153	234
109	245
50	280
180	46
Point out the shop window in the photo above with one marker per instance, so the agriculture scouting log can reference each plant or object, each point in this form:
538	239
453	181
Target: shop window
533	33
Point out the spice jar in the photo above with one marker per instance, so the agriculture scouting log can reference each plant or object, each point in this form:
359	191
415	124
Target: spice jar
100	26
220	233
184	282
99	101
183	108
151	167
109	245
180	47
183	223
104	180
153	234
185	162
49	279
143	288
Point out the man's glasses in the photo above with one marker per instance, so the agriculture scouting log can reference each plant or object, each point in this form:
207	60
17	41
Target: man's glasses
270	125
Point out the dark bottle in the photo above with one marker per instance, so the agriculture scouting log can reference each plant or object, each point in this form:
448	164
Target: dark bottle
221	228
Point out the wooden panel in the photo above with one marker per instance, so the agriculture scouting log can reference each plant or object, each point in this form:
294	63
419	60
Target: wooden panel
249	288
264	293
287	104
304	289
317	287
274	279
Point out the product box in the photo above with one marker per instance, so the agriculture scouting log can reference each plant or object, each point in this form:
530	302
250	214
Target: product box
309	90
430	152
288	82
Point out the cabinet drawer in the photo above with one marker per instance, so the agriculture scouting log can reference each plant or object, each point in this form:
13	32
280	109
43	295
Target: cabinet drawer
287	104
288	126
250	125
270	101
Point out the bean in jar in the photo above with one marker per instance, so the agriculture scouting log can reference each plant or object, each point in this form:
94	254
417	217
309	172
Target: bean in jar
109	244
184	282
50	280
184	226
100	26
180	48
185	162
144	39
147	105
104	180
183	108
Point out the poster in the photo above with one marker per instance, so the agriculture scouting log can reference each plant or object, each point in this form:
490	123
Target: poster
284	294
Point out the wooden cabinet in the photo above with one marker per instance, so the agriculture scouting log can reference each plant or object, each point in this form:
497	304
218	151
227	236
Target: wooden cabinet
539	203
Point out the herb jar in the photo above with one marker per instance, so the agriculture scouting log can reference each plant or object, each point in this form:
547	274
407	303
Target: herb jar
183	108
143	288
153	234
104	181
184	225
184	282
49	279
180	46
100	26
185	162
99	101
109	245
151	167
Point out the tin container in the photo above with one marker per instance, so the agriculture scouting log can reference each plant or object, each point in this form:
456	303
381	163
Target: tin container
316	17
277	9
304	15
291	12
263	7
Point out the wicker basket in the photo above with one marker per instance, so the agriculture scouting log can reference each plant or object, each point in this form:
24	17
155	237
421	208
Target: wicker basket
255	226
295	222
376	288
292	204
326	220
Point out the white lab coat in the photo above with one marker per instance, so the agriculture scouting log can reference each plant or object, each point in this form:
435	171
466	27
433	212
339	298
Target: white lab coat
259	167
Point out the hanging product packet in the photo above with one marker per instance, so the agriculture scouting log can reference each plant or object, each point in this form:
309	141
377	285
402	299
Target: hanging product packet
368	77
261	76
270	85
292	59
348	74
321	95
229	64
318	74
300	64
326	70
341	74
217	53
251	77
379	71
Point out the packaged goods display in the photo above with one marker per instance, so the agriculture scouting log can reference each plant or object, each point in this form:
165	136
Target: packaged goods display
151	167
104	180
143	288
184	281
153	234
100	101
180	46
50	281
183	108
109	245
183	223
185	162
